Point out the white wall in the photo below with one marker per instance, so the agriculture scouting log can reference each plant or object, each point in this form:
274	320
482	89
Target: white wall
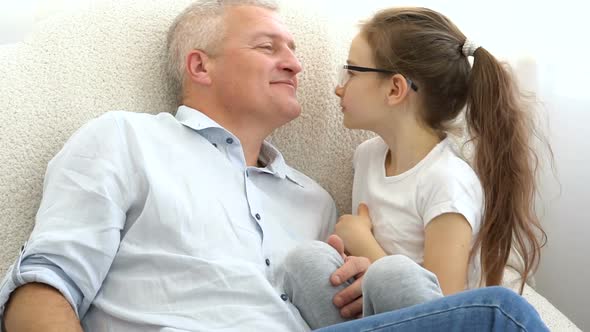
16	19
564	274
553	36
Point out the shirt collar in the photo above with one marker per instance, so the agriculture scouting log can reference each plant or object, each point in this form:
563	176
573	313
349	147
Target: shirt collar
194	119
269	155
277	164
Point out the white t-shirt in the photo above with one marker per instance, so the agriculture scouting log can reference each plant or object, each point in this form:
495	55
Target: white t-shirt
401	206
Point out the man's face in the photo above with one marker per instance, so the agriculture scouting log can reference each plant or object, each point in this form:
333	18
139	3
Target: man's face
255	72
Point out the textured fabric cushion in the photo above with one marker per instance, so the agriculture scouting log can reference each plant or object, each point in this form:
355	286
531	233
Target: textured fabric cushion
109	56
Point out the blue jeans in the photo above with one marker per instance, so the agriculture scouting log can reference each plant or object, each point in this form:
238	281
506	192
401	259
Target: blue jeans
484	309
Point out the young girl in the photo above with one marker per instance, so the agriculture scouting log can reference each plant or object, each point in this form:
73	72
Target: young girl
432	225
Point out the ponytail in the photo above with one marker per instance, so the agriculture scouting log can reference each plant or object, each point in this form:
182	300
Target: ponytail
502	129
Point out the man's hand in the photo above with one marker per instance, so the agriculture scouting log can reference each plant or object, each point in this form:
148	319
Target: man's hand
336	242
350	299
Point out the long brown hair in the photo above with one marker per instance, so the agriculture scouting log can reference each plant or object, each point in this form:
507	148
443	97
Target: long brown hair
426	47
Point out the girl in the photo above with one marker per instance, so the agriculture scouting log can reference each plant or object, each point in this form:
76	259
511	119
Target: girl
437	225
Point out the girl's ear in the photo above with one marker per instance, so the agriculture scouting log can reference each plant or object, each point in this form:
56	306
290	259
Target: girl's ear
398	87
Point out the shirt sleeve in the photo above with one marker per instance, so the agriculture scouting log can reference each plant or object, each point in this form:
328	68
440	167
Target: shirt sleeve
86	193
332	216
355	157
451	192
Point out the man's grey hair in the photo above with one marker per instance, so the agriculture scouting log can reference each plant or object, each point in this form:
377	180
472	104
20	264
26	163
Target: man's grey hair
200	26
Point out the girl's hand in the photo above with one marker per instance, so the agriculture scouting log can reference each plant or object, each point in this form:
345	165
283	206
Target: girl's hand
355	230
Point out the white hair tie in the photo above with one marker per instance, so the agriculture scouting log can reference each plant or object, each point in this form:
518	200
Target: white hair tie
469	48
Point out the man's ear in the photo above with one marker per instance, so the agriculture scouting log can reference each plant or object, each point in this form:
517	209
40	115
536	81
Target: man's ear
398	88
197	63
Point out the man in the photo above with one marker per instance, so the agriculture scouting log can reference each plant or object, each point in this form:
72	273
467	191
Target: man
162	223
159	221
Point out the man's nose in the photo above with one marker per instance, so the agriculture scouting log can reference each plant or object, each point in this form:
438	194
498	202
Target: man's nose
290	62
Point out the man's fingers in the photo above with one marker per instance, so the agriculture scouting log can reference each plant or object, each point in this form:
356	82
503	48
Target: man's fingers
336	242
353	310
348	294
363	210
352	267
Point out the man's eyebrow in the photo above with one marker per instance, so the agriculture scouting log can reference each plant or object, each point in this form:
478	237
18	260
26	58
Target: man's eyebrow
350	62
290	42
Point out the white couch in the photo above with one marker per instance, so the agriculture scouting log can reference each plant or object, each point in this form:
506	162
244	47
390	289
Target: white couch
108	56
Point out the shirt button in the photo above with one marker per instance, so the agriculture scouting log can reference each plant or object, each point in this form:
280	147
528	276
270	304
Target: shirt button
284	297
258	217
267	262
229	140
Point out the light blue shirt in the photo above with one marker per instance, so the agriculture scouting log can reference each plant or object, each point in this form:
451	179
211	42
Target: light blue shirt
156	223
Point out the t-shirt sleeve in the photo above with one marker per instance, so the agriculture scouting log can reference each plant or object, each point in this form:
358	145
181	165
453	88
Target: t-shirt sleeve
355	157
451	192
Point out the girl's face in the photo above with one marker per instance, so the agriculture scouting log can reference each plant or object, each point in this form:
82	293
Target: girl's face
363	96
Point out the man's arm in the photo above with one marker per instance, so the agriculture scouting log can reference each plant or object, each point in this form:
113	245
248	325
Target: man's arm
87	190
38	307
